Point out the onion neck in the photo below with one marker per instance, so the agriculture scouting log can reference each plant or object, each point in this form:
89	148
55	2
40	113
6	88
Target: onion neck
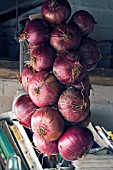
75	73
41	130
53	4
37	91
67	36
81	106
38	88
33	61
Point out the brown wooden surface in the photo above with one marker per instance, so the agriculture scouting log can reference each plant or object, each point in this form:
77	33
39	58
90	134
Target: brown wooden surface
9	73
98	80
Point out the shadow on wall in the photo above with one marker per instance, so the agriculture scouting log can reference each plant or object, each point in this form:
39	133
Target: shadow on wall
8	89
102	106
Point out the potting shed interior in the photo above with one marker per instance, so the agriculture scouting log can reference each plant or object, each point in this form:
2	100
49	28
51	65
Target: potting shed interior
101	78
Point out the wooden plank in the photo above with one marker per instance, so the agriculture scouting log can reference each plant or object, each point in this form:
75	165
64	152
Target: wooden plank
98	80
9	73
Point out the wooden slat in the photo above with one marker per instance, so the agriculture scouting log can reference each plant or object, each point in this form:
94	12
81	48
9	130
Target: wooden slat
98	80
9	73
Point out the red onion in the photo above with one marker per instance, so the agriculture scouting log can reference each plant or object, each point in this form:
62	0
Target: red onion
68	68
56	11
89	52
42	58
37	32
24	109
84	20
44	89
48	123
65	37
44	146
27	73
73	105
84	86
87	120
75	143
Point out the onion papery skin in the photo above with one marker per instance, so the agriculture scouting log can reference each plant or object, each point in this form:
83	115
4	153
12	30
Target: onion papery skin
56	11
42	58
27	73
44	146
44	89
87	120
89	52
75	143
24	109
84	20
48	123
69	68
73	105
84	86
37	32
65	37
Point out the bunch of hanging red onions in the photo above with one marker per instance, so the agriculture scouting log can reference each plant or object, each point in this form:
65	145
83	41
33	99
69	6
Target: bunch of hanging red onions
57	106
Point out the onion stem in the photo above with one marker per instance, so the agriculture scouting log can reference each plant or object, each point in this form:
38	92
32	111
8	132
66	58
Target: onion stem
41	130
53	4
38	88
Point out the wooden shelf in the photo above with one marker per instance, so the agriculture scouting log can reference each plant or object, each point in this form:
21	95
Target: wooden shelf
98	80
101	76
9	73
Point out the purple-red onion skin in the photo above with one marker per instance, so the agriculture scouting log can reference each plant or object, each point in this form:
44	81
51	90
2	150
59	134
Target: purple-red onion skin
84	20
44	89
84	86
65	37
44	146
37	32
75	143
87	120
56	11
89	52
24	109
73	105
42	58
27	73
68	68
48	123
